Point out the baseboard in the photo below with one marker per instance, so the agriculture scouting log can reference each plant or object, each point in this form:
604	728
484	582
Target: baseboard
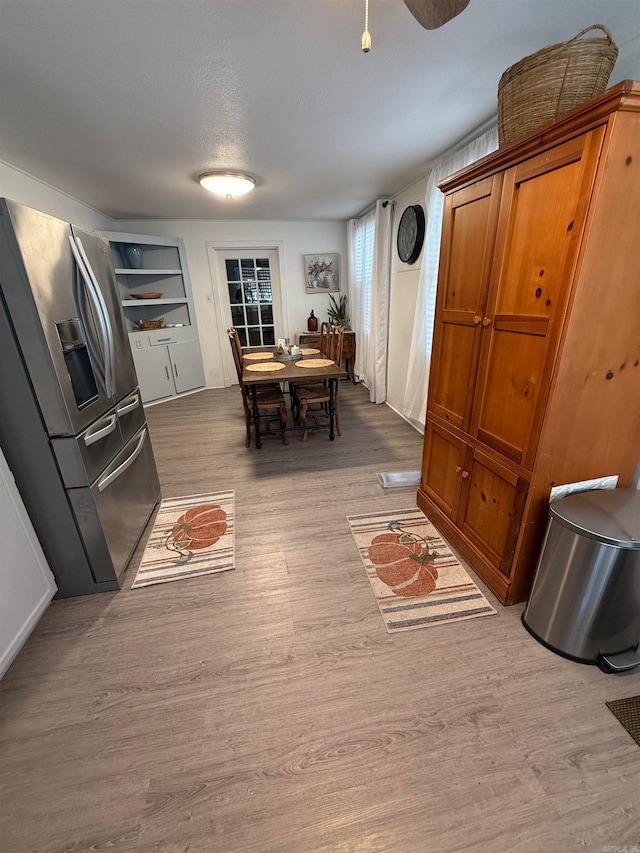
174	397
418	427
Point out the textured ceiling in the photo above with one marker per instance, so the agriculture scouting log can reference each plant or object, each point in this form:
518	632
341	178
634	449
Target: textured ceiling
122	103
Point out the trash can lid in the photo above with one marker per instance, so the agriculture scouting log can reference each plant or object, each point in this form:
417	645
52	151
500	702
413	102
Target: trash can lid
611	516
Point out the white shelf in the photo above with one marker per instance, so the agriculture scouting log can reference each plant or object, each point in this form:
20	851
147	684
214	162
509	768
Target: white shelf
179	300
127	271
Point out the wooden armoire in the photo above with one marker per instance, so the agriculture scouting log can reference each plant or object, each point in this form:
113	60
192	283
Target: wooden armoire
535	372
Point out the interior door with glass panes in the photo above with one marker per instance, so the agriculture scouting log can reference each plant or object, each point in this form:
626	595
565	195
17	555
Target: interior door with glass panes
248	282
251	285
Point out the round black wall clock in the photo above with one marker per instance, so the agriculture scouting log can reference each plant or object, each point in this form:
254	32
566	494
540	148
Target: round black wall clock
411	234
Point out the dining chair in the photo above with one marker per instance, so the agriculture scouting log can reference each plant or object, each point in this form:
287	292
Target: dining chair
271	402
312	398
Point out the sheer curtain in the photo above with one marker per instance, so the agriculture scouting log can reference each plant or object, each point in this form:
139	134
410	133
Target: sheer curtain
415	392
369	241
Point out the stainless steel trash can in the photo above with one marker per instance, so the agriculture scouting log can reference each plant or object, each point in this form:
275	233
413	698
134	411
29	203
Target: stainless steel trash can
585	600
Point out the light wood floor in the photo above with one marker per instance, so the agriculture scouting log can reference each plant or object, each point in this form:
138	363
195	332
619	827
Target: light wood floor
265	710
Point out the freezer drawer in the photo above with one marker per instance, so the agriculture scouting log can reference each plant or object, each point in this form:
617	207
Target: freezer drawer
81	458
112	514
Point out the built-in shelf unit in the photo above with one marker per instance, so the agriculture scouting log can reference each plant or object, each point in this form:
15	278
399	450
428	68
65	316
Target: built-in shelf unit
167	358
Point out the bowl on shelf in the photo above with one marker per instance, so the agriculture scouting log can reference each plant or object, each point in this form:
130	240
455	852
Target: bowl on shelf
154	295
146	325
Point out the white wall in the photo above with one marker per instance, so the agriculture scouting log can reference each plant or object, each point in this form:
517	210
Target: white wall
25	189
26	583
402	302
295	239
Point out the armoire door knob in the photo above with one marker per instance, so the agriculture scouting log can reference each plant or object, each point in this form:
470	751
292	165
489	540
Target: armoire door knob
458	469
486	321
465	474
476	319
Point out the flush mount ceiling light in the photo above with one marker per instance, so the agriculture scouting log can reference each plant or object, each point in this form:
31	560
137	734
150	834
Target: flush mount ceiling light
227	184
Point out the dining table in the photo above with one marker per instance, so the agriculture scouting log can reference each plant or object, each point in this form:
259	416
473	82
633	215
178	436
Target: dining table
289	370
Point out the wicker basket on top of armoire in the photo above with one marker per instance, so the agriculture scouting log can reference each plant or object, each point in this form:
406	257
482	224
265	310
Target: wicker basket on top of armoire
553	80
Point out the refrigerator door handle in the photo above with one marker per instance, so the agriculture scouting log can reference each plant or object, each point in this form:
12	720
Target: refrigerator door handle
103	484
109	426
82	295
128	405
102	317
107	322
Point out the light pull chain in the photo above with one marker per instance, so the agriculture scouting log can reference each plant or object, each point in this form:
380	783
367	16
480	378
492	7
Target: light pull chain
366	35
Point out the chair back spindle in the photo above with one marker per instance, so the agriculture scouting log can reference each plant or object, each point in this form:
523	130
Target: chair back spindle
336	342
325	332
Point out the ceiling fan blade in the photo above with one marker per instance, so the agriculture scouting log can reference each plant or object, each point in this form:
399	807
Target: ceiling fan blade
434	13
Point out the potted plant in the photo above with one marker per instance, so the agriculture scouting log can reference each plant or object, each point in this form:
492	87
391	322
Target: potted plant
338	311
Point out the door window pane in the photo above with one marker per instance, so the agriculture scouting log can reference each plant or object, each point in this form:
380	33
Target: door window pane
251	300
233	270
269	336
235	293
265	291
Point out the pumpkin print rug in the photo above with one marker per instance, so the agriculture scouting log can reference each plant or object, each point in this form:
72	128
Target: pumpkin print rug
415	578
191	536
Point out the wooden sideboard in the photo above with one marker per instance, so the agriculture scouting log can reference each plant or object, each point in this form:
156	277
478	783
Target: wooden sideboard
535	372
312	339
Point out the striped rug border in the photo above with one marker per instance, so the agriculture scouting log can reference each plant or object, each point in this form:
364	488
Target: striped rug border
456	597
160	566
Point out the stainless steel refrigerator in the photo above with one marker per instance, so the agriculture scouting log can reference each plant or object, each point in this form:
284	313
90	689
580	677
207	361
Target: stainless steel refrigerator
72	425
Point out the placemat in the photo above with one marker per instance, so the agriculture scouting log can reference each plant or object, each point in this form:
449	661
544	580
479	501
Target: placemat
315	362
258	356
309	351
266	366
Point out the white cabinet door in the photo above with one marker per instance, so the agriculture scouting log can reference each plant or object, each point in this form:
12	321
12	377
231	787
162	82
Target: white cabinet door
26	583
155	373
186	364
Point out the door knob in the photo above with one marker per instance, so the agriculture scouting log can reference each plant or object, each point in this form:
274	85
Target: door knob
465	474
458	469
476	319
486	321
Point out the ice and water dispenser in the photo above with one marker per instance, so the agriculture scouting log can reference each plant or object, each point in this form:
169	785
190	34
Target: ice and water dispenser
585	600
76	356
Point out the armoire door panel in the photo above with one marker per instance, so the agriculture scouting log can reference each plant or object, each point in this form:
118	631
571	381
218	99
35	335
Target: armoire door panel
539	243
544	205
513	391
441	468
458	350
467	245
509	451
525	325
466	284
490	497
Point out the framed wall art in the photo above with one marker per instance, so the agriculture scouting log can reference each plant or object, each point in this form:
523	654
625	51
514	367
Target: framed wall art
322	273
